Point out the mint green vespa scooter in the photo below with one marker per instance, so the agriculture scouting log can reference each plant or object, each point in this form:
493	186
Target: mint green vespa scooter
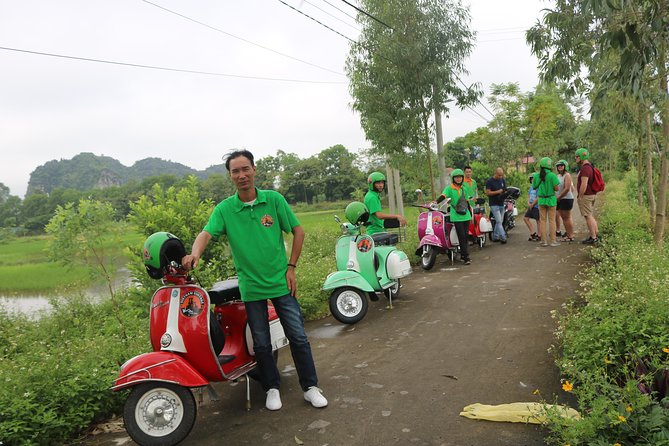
366	265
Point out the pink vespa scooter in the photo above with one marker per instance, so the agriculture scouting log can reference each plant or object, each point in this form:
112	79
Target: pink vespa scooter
436	233
192	347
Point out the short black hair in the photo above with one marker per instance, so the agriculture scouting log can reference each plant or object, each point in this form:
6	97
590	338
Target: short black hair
236	154
468	167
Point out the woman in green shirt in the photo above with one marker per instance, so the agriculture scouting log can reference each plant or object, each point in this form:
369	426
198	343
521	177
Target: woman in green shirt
459	219
546	184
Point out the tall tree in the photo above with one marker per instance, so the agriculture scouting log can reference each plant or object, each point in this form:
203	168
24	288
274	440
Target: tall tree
620	45
405	66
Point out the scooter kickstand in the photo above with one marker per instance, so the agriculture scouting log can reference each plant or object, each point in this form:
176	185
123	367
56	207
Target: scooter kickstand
248	391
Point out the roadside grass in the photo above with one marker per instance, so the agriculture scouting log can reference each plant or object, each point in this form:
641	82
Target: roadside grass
613	342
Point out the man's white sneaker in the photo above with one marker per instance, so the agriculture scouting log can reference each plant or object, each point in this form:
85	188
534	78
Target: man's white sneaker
315	396
273	401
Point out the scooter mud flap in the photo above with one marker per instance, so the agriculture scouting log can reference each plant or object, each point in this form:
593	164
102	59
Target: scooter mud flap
352	279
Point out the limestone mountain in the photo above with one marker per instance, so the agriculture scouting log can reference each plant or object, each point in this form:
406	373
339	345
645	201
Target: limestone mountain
89	171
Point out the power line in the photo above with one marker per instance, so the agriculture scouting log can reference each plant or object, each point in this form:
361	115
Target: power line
331	15
179	70
341	10
367	14
317	21
239	38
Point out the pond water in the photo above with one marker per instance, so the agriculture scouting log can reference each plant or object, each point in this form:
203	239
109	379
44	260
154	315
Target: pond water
32	305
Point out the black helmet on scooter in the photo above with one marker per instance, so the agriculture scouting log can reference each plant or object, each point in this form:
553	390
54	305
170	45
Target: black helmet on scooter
356	213
160	249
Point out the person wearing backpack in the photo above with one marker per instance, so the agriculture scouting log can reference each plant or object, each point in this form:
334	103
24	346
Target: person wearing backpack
589	182
459	211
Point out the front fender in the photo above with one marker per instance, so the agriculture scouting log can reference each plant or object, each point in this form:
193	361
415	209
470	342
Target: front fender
353	279
158	366
428	240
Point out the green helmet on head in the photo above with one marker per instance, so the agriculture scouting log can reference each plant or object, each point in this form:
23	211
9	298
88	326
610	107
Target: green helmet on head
457	173
356	212
563	163
373	178
546	163
159	250
583	153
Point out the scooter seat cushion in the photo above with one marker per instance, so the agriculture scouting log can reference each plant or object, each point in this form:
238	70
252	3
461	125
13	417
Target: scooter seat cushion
385	238
224	291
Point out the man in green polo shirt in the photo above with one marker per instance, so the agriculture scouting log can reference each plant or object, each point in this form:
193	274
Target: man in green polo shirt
254	221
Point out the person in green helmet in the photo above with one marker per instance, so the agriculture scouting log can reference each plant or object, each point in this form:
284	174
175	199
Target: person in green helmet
459	215
585	195
546	184
376	183
254	221
532	212
565	201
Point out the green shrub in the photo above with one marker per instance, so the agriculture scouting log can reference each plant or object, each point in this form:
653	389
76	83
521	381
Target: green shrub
614	342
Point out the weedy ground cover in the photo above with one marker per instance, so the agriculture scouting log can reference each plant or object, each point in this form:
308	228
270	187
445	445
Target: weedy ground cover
613	341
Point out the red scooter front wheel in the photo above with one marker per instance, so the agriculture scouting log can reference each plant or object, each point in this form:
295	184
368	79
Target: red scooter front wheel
159	413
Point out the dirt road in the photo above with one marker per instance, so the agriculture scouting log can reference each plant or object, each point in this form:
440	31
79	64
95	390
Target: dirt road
458	335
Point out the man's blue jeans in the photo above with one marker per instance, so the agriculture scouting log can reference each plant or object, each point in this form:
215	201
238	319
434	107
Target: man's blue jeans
292	321
498	214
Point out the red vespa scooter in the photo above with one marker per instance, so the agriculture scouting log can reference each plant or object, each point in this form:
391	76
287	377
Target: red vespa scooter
480	224
192	347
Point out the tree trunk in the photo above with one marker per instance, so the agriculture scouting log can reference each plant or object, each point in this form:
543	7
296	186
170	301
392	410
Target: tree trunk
664	165
441	162
639	171
398	192
649	171
390	181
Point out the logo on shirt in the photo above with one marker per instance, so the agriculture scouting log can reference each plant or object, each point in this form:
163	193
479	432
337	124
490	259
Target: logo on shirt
267	220
191	304
364	245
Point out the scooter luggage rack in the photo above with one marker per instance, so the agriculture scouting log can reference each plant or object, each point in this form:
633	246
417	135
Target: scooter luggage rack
393	226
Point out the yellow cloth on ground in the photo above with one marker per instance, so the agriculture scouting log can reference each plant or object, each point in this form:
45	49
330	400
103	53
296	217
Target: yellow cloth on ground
534	413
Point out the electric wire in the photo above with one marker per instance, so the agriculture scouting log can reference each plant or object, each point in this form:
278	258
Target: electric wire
178	70
317	21
341	10
240	38
331	15
367	14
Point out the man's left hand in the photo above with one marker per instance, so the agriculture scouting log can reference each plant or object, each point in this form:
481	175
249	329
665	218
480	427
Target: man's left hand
291	281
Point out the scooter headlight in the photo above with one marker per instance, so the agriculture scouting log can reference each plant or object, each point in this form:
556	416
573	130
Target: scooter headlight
165	340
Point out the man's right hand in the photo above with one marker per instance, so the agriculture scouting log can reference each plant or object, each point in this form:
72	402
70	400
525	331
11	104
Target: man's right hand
189	262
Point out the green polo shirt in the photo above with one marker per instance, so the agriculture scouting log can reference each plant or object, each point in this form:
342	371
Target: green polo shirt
453	192
546	189
255	233
373	203
470	189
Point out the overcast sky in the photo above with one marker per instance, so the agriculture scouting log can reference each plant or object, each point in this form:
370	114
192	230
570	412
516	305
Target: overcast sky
54	108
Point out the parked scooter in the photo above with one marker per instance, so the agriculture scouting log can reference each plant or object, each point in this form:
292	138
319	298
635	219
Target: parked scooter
480	224
192	347
510	210
366	265
436	233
